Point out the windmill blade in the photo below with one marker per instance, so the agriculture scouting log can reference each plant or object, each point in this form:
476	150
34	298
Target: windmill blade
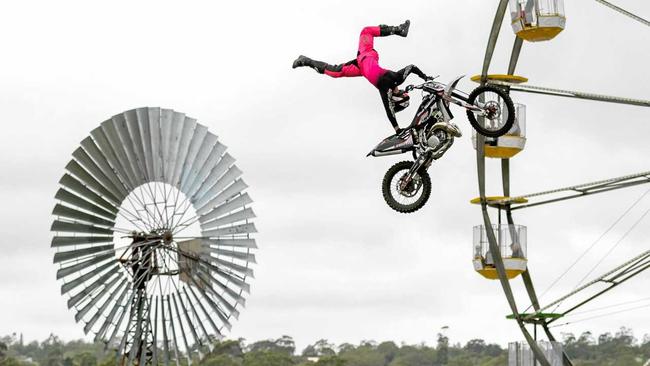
62	241
231	230
70	213
173	334
71	227
226	179
243	215
197	141
85	177
237	187
243	256
92	148
74	200
80	266
217	310
95	299
192	307
108	179
106	151
164	329
237	202
110	138
225	163
183	149
207	314
154	324
81	279
220	300
213	280
121	289
206	168
109	318
133	127
180	326
202	155
177	122
81	295
116	326
79	253
129	147
241	243
74	185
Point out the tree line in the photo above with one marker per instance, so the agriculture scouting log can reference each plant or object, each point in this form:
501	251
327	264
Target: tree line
618	348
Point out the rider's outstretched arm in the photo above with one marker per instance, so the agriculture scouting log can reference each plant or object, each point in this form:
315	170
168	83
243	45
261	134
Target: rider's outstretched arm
390	112
405	72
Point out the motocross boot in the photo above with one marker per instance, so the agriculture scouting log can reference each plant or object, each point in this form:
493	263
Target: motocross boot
302	61
401	30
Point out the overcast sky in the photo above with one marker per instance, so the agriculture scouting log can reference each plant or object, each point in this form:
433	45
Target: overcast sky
334	261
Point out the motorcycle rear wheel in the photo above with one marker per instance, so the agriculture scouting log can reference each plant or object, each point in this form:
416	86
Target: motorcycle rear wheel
402	200
499	99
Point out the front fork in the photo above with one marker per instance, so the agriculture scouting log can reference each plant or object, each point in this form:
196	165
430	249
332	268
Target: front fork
419	162
460	100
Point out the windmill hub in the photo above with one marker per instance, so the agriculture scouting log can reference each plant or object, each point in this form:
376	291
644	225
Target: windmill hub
167	237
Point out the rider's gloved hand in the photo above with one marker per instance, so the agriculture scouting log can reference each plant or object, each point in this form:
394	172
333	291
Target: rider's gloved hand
428	78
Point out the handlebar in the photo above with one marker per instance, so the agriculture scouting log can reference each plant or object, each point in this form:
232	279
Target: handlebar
423	85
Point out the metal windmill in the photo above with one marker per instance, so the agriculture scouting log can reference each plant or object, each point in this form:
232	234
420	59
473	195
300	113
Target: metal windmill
504	244
152	236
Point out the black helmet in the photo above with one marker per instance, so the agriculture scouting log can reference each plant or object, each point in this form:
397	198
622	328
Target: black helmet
400	100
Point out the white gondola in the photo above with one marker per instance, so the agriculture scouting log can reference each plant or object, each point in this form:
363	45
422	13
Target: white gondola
510	144
537	20
512	245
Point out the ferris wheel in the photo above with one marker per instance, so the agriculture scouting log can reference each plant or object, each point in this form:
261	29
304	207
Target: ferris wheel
152	233
500	251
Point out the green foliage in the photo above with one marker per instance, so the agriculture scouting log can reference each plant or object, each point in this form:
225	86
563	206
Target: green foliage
608	349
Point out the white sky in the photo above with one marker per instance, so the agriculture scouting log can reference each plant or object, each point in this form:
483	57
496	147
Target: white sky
334	261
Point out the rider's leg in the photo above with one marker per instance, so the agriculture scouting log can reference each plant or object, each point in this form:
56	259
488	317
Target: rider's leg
400	30
369	33
302	61
366	38
348	69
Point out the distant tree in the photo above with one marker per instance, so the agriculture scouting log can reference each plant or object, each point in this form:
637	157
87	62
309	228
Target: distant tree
321	348
231	348
287	343
475	346
442	348
221	360
284	344
388	350
414	356
309	351
330	361
364	355
345	347
268	358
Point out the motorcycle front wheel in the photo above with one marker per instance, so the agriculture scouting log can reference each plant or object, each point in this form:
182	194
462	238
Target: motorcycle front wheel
405	197
500	111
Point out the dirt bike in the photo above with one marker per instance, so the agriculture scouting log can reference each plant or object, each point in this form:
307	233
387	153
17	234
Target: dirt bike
406	185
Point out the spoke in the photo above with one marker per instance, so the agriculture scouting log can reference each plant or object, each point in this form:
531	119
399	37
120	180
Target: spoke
175	207
152	194
141	209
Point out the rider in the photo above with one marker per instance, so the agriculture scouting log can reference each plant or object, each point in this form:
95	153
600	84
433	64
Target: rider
367	64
